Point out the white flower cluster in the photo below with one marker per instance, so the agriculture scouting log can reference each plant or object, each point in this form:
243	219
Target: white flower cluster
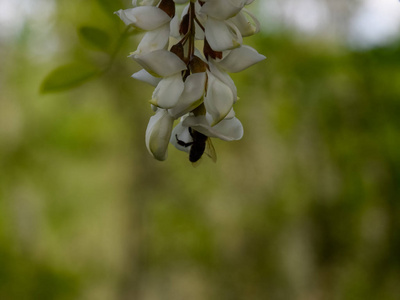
187	58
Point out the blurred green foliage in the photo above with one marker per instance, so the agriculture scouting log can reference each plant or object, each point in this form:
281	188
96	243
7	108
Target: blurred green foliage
306	206
68	76
94	37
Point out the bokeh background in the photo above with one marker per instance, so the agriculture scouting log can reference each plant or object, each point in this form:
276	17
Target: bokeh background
305	206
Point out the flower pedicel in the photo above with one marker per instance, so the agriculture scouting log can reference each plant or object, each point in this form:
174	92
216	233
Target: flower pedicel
187	58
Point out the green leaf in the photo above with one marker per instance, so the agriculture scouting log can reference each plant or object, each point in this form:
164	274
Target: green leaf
67	77
110	6
94	37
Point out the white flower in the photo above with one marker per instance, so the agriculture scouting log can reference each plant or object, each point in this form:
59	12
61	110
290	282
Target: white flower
222	35
160	63
191	97
168	91
222	9
144	17
246	27
158	134
145	76
222	75
181	133
229	129
190	77
218	99
240	59
153	40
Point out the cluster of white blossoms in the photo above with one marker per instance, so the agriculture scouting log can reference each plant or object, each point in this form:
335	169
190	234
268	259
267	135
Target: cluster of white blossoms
187	57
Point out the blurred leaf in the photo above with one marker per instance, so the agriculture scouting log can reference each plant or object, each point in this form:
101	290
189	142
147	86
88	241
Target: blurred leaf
68	76
111	6
94	37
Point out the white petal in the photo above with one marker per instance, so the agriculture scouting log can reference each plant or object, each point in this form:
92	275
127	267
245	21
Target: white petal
158	134
144	17
199	33
160	62
227	129
199	15
168	91
145	2
223	76
222	35
230	115
174	27
222	9
200	55
154	40
181	133
240	59
218	100
191	96
245	27
145	76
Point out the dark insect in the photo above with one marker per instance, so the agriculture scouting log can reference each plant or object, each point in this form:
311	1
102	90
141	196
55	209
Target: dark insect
201	144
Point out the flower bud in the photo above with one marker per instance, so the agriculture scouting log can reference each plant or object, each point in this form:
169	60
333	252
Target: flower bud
158	134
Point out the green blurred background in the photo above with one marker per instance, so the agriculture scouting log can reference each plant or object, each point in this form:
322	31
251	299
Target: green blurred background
305	206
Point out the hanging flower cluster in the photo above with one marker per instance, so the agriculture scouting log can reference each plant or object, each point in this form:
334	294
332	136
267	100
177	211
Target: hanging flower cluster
187	58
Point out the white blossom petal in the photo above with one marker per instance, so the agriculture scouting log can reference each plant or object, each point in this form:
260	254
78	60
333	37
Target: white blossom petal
158	134
168	91
160	62
181	133
199	33
223	76
222	35
145	76
191	96
144	17
174	27
199	14
222	9
154	40
230	115
246	27
240	59
227	129
218	100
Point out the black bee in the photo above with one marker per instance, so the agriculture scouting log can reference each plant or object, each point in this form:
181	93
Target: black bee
201	144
